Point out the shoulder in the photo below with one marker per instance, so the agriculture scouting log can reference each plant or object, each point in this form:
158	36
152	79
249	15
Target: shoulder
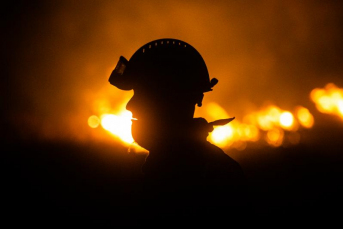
220	163
214	152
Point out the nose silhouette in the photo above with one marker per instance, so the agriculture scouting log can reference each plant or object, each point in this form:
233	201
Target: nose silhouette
141	105
129	105
135	103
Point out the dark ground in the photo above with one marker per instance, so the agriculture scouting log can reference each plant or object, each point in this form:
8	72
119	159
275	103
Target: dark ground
50	183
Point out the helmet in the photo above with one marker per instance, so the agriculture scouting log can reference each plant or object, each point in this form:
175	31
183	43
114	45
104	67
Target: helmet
169	65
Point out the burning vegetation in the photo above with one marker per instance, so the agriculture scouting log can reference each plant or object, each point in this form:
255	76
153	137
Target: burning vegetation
270	124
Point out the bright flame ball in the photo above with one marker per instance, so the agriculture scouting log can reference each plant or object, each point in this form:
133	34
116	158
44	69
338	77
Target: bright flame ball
340	107
221	135
329	99
119	125
286	120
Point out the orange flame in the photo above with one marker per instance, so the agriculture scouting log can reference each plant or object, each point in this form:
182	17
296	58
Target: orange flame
274	124
304	116
329	99
118	125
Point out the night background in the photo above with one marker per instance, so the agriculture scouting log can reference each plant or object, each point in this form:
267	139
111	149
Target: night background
60	164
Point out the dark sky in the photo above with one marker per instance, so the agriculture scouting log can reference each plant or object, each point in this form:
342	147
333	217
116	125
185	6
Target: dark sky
58	54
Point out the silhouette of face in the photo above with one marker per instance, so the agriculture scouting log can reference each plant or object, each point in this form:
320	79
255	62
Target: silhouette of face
160	115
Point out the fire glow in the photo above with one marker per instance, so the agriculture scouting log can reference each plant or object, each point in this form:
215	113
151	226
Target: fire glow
328	100
269	124
118	125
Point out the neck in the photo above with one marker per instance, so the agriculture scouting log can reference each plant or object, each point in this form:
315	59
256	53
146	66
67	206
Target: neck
182	133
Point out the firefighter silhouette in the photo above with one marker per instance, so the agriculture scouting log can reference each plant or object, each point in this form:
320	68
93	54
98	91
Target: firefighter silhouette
169	78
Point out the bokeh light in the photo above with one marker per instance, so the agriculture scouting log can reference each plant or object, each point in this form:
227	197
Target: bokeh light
270	123
328	100
286	120
304	116
93	121
221	135
275	136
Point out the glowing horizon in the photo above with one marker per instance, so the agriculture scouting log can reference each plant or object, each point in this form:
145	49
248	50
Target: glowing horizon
270	124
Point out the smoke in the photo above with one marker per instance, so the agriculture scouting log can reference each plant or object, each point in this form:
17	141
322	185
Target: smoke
59	54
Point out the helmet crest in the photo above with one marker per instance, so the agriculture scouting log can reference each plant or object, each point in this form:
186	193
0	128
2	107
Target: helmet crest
163	64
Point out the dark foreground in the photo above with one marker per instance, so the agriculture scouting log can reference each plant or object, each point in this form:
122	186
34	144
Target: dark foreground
65	184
